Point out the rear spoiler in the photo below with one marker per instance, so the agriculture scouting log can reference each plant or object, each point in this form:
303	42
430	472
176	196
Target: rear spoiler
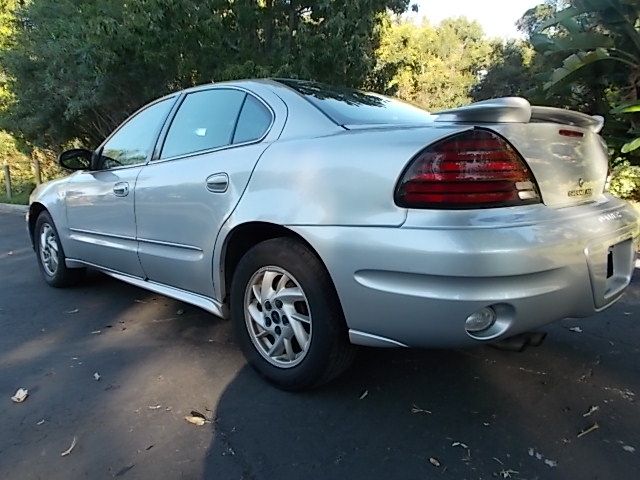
518	110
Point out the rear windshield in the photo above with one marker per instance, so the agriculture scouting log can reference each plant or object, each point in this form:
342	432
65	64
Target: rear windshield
346	106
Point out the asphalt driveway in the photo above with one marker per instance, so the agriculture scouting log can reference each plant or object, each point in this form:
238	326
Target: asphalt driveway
459	414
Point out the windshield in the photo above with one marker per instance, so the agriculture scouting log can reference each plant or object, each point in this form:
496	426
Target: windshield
346	106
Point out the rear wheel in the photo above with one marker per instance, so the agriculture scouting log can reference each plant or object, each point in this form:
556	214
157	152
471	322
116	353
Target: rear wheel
287	316
50	255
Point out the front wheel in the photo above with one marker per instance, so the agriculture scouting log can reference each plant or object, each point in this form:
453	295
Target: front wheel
288	319
51	258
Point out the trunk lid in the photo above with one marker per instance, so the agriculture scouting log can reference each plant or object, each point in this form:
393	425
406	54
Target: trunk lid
562	148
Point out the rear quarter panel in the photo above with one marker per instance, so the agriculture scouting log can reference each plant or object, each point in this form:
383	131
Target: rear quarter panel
341	179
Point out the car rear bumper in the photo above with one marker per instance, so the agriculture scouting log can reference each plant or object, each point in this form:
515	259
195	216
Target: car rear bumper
417	284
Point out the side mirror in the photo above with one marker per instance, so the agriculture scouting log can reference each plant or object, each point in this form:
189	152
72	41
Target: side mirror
76	159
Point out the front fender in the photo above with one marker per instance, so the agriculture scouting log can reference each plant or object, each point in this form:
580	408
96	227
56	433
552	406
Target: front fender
50	196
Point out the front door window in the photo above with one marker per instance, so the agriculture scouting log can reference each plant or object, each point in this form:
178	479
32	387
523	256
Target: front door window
132	143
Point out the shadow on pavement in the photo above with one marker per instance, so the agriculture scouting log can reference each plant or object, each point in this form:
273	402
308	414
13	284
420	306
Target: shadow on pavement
478	413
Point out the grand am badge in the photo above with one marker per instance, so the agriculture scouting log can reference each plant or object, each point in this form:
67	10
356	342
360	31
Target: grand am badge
580	192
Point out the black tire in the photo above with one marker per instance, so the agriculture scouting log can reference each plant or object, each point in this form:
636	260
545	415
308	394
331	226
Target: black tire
329	353
62	276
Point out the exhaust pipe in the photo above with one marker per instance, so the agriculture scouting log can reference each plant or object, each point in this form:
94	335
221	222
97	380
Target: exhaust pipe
519	343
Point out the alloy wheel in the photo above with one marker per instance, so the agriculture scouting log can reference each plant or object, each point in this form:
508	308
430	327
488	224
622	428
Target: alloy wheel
49	254
277	316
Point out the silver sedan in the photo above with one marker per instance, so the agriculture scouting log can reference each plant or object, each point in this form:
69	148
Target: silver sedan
318	218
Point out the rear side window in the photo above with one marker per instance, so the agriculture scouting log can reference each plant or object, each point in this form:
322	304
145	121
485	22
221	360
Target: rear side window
346	106
254	121
205	120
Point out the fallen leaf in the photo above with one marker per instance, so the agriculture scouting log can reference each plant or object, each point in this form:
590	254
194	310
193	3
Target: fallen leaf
195	413
434	461
626	393
21	395
416	409
507	473
628	448
75	310
68	450
96	376
576	329
592	428
593	409
586	376
539	456
195	420
364	394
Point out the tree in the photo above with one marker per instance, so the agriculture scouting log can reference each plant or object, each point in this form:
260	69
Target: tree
530	22
433	66
510	74
598	39
77	68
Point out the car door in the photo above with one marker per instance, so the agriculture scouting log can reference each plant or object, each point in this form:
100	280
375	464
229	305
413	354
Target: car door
184	196
100	202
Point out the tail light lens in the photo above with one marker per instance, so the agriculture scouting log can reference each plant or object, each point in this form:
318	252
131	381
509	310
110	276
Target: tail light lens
473	169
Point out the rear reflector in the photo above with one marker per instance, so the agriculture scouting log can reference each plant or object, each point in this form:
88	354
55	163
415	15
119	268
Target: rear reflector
571	133
473	169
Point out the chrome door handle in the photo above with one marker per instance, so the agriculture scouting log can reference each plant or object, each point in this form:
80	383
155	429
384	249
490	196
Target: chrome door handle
218	182
121	189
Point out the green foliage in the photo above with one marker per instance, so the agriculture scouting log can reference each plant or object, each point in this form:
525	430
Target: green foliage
510	72
631	146
20	165
432	66
625	181
77	68
596	43
533	18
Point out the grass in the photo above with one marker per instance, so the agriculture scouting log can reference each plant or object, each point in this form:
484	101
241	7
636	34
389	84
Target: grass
19	198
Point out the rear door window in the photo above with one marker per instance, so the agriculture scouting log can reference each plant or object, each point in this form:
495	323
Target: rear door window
206	120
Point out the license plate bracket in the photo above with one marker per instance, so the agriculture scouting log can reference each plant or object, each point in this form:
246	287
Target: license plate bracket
611	263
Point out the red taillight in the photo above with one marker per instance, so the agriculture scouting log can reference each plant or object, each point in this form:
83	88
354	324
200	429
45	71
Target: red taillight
473	169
